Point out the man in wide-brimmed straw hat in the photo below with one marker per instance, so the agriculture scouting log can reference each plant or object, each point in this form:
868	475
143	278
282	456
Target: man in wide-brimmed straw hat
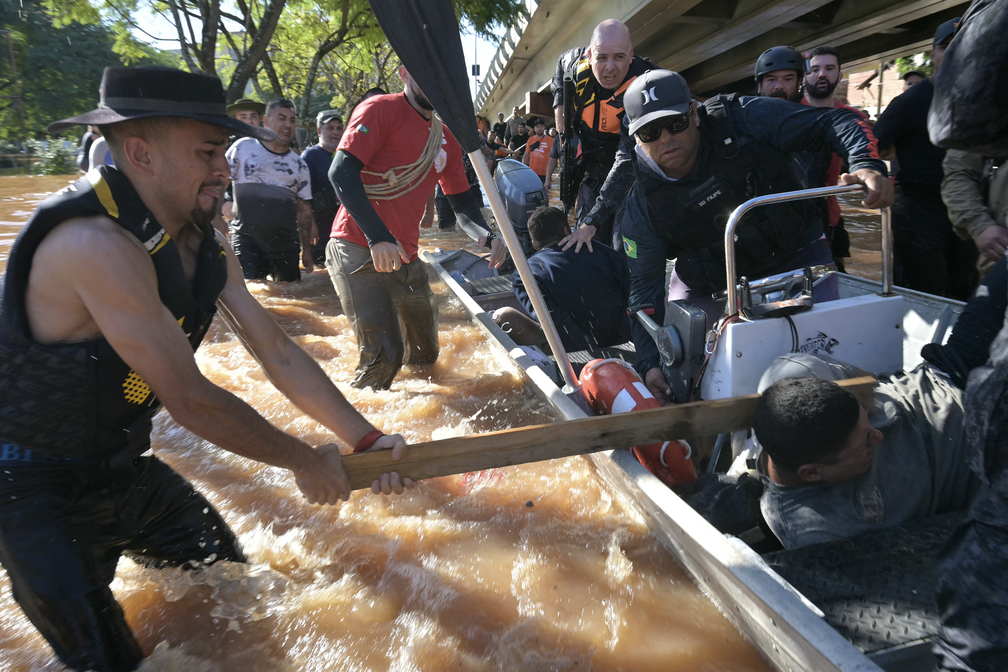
108	290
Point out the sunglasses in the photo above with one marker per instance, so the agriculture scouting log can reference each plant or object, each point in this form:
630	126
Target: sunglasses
676	124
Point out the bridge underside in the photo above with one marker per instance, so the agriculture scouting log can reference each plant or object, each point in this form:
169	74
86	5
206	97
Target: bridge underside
713	43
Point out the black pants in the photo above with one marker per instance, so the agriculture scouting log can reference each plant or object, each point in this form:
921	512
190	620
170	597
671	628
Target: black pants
62	530
928	256
445	214
280	266
588	193
394	315
323	222
839	241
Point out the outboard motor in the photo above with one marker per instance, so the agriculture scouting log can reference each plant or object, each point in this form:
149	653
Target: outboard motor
522	192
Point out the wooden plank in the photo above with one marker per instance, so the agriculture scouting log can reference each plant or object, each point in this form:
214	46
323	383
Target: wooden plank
463	454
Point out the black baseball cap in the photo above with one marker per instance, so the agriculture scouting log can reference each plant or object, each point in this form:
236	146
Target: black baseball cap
654	95
946	30
919	73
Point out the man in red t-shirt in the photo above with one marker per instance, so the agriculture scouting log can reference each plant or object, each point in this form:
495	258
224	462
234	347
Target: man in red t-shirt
537	150
823	76
383	172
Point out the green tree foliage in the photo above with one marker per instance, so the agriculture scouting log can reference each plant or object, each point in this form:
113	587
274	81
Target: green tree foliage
921	61
207	31
328	52
284	46
59	69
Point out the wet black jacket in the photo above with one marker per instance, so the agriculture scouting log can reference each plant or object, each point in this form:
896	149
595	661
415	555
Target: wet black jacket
685	219
81	401
585	293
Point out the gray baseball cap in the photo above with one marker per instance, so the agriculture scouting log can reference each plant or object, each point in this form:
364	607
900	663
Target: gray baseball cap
654	95
327	115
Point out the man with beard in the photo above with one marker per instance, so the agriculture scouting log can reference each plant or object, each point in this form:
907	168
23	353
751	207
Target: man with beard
108	291
329	125
779	73
537	150
272	186
601	73
394	150
823	170
928	255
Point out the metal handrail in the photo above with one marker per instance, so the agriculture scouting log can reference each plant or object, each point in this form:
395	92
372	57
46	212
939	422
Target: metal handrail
820	192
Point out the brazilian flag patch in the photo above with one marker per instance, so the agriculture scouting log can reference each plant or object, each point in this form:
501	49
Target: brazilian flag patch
629	247
363	129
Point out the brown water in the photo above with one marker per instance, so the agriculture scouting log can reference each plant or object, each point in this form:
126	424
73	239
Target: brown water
537	567
865	230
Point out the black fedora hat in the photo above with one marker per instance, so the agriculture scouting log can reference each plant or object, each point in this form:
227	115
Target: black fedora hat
135	93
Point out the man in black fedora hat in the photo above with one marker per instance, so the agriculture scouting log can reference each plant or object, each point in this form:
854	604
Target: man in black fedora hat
108	291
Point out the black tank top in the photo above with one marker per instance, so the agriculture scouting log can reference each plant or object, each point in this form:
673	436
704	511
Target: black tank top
81	401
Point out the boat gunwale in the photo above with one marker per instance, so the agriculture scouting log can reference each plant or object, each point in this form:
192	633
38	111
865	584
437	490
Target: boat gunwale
775	618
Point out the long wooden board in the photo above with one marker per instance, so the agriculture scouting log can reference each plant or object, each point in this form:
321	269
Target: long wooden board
463	454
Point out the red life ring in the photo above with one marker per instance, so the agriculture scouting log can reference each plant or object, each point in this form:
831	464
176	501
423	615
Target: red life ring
612	386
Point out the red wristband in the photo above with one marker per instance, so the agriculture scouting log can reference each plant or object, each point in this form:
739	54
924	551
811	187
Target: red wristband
368	440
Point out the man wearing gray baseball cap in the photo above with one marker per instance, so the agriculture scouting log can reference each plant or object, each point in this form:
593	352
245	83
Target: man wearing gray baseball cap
329	125
697	163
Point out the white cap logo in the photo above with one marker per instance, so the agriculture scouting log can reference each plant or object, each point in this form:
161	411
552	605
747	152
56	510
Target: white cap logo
650	95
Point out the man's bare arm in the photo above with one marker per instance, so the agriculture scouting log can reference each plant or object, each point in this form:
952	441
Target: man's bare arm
110	274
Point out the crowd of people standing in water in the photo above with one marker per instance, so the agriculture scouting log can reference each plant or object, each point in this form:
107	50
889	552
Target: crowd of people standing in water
114	281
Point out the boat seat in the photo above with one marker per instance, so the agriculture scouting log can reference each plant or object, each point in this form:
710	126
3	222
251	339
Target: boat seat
885	602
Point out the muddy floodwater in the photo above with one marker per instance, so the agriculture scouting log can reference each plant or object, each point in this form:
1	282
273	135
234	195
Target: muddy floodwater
537	567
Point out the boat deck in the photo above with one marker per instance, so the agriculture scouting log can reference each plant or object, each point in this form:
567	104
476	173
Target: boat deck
884	603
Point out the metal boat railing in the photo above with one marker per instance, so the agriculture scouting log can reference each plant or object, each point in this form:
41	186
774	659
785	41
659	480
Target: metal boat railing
821	192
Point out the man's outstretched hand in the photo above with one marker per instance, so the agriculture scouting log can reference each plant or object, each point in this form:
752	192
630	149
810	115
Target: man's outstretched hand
498	253
581	236
322	479
655	381
880	188
391	483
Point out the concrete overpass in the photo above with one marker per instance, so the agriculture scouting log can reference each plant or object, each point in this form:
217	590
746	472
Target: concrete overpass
713	43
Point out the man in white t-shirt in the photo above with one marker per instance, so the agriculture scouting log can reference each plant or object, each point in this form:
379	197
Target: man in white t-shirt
272	187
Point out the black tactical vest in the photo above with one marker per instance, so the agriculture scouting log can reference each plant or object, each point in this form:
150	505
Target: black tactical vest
691	214
81	401
599	111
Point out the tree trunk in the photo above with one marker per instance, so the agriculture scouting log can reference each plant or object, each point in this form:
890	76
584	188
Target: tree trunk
272	76
247	62
306	95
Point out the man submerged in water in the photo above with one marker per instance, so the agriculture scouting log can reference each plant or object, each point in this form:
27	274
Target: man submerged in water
109	290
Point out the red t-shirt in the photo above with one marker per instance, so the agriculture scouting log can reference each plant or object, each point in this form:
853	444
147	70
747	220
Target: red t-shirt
386	132
539	157
833	172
